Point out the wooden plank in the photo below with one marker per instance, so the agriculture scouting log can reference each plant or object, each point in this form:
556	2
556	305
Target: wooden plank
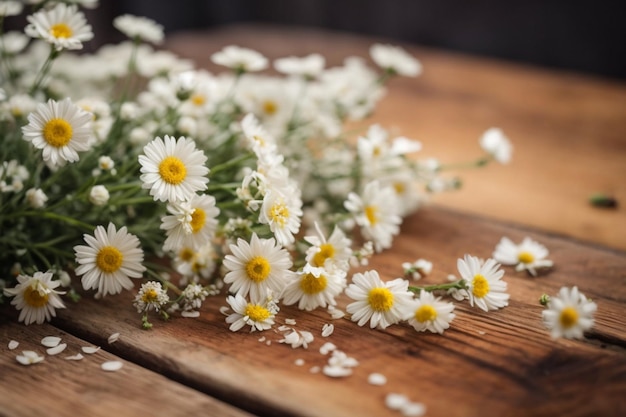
566	128
500	363
58	387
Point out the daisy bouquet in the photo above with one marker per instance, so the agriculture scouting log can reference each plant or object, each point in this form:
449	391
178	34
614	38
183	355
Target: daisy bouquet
130	167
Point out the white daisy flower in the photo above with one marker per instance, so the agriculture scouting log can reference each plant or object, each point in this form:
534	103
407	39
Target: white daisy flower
259	315
240	59
151	296
309	66
111	258
496	144
395	60
485	287
330	253
282	213
60	130
376	211
173	169
257	267
528	255
380	303
139	27
36	297
10	8
63	26
191	223
36	198
569	314
417	269
314	287
431	313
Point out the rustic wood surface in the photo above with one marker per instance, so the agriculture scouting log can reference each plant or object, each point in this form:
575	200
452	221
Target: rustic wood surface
496	363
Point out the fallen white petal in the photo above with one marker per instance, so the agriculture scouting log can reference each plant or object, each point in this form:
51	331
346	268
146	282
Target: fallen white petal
111	366
50	341
29	357
269	342
284	328
336	371
396	401
76	357
299	362
291	322
262	339
413	409
336	314
377	379
327	329
90	349
57	349
190	314
13	344
314	369
225	310
113	338
327	348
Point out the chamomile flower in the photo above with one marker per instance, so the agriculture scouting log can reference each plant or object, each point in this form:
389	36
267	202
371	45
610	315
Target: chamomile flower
173	169
240	59
191	223
528	255
256	267
139	27
485	287
111	258
10	8
63	26
495	143
258	314
376	211
151	296
282	213
331	253
395	60
36	198
309	66
314	287
36	297
431	313
380	303
569	314
60	130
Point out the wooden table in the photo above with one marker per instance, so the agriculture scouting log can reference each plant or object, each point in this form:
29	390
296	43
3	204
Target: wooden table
568	133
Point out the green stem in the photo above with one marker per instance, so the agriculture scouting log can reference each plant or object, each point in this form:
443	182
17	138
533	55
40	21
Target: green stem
459	285
45	68
231	163
480	162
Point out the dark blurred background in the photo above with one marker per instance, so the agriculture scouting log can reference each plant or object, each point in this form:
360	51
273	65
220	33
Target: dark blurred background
584	36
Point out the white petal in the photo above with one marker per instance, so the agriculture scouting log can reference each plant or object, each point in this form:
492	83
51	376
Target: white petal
327	330
111	366
13	344
396	401
90	349
113	338
336	371
76	357
57	349
377	379
50	341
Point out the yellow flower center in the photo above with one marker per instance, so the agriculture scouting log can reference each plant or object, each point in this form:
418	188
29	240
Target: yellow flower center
259	140
399	187
377	151
279	213
57	132
198	218
380	299
35	295
186	254
150	296
258	269
569	317
425	313
172	170
61	30
327	251
370	213
109	259
480	286
269	107
257	312
309	284
525	257
198	100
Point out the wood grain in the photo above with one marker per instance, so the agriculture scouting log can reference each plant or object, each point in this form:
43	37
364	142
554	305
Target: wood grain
58	387
567	129
496	363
